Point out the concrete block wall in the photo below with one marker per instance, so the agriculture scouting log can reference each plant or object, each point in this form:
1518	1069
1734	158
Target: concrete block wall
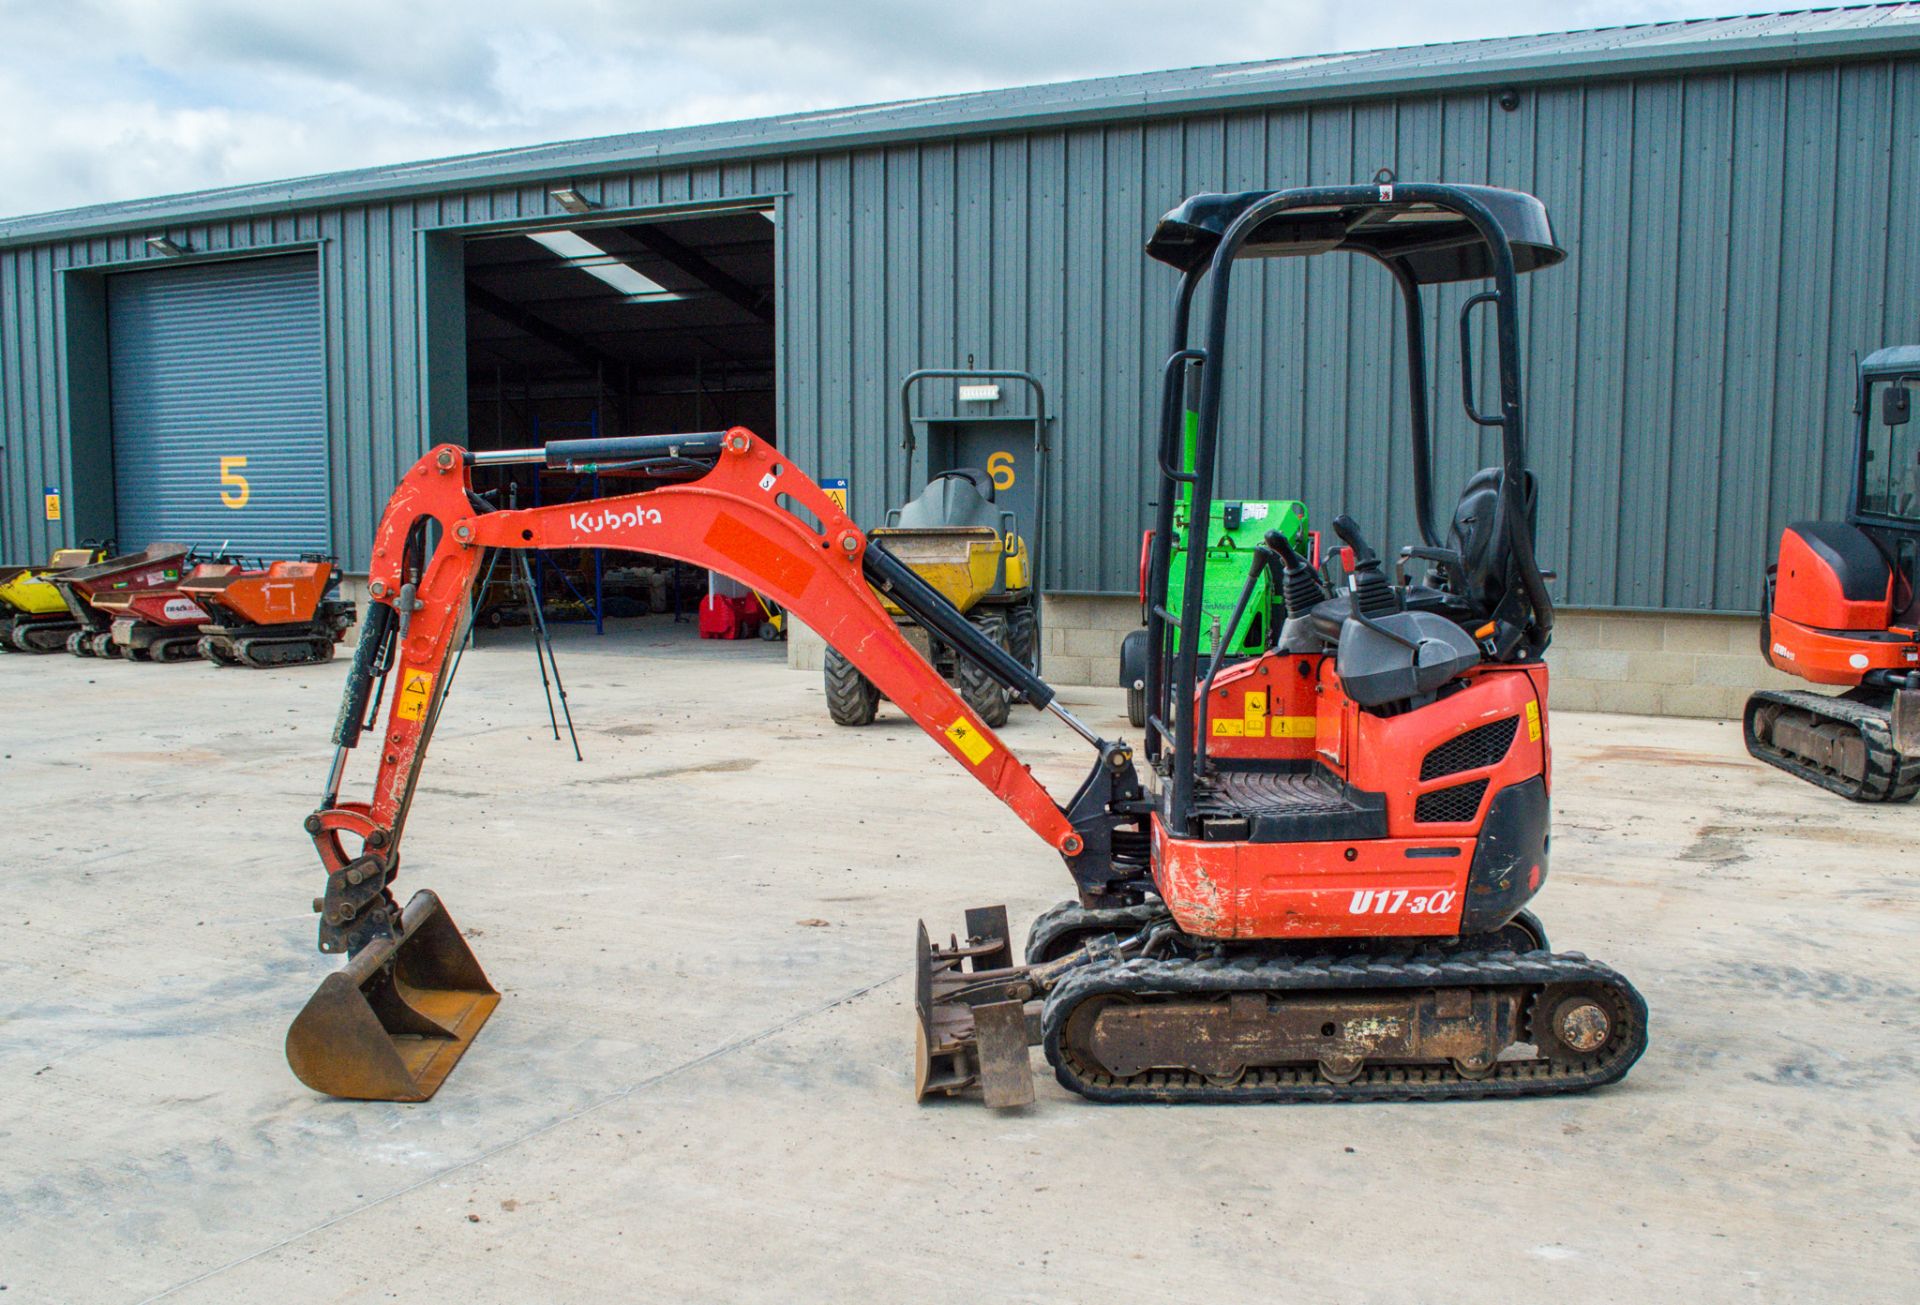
1659	663
1655	664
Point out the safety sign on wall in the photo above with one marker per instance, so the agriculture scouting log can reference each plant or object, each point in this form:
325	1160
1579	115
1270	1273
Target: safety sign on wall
53	502
837	491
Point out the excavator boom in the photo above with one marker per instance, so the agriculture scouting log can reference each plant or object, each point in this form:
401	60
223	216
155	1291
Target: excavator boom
739	508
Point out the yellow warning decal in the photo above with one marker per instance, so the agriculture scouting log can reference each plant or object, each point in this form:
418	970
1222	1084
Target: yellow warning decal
966	738
1229	729
1533	722
1294	727
416	689
1255	713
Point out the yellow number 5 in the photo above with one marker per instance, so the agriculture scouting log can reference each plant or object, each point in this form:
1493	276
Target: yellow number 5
236	496
1000	467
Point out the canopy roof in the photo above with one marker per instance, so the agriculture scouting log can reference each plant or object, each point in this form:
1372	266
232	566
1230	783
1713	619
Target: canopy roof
1433	243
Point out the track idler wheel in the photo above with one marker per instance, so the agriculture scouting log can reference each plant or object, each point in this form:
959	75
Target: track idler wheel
1574	1023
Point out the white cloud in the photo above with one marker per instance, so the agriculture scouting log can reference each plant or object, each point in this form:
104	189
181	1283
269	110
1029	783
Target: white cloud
115	99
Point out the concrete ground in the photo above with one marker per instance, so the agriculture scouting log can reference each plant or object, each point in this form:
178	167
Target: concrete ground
695	1090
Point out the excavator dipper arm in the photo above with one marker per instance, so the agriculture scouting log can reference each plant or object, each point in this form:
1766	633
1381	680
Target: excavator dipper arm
734	519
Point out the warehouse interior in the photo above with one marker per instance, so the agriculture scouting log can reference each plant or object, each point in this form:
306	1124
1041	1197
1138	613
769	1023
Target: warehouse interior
614	327
621	327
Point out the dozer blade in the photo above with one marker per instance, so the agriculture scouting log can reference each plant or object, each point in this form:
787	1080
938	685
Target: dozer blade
1906	722
971	1027
393	1023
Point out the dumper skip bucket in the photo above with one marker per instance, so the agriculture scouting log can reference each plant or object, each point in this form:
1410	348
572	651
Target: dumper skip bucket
393	1023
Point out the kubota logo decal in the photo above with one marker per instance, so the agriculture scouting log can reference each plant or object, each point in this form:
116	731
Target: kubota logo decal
596	523
1397	901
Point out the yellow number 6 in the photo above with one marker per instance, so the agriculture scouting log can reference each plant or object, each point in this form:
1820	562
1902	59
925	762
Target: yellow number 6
1000	467
237	496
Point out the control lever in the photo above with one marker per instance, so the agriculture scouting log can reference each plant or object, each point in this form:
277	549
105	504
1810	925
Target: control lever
1300	584
1367	584
1349	531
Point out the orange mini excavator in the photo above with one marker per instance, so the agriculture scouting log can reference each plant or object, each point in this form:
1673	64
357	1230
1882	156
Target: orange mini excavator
1317	888
1841	610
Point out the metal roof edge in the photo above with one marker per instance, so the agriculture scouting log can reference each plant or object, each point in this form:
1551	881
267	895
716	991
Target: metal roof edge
805	133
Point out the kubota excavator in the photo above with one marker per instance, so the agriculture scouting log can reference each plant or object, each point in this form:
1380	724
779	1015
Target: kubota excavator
1316	892
1841	610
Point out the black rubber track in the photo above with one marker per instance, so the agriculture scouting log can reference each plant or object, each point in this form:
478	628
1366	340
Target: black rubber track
1359	973
1890	776
1050	935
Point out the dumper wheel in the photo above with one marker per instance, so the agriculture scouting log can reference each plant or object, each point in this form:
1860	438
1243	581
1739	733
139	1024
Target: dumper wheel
851	697
979	690
1023	629
1137	706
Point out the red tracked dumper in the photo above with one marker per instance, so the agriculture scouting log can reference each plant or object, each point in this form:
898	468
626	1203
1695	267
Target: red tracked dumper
287	613
157	566
1316	890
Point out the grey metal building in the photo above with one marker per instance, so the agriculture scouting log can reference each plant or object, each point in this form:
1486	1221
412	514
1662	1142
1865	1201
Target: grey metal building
1741	198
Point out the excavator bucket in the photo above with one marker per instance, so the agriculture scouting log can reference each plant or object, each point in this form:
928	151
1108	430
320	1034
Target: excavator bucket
971	1027
395	1021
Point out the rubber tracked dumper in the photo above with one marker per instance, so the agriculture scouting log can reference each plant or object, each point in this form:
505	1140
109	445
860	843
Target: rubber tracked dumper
288	613
1328	902
33	615
160	624
1841	610
157	566
971	552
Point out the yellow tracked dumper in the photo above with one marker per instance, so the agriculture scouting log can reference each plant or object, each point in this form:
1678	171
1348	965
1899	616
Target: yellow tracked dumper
33	616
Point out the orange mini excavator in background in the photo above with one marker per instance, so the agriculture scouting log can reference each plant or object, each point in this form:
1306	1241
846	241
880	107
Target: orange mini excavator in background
1317	889
1841	610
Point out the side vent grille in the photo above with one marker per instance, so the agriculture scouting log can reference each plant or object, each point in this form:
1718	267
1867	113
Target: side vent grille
1483	745
1450	805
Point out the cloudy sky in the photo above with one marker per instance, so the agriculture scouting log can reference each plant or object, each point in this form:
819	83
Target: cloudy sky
112	99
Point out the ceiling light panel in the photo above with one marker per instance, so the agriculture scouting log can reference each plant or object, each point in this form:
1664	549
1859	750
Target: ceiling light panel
581	253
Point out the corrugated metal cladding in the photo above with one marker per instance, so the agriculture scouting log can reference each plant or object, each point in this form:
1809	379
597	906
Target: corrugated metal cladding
219	406
1736	235
1735	240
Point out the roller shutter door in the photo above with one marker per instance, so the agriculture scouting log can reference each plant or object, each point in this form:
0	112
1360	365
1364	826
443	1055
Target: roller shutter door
219	406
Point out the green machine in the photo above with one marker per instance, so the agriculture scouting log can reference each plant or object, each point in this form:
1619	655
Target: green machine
1234	528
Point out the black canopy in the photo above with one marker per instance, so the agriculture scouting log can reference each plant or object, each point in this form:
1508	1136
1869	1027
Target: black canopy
1433	243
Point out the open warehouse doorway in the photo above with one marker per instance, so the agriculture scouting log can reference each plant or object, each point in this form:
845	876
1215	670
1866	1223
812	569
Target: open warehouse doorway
615	326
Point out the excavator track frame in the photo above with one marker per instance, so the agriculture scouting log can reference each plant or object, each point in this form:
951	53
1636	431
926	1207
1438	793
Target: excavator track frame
1883	774
1481	999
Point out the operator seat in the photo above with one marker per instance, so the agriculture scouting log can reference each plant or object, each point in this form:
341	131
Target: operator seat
1486	569
960	497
